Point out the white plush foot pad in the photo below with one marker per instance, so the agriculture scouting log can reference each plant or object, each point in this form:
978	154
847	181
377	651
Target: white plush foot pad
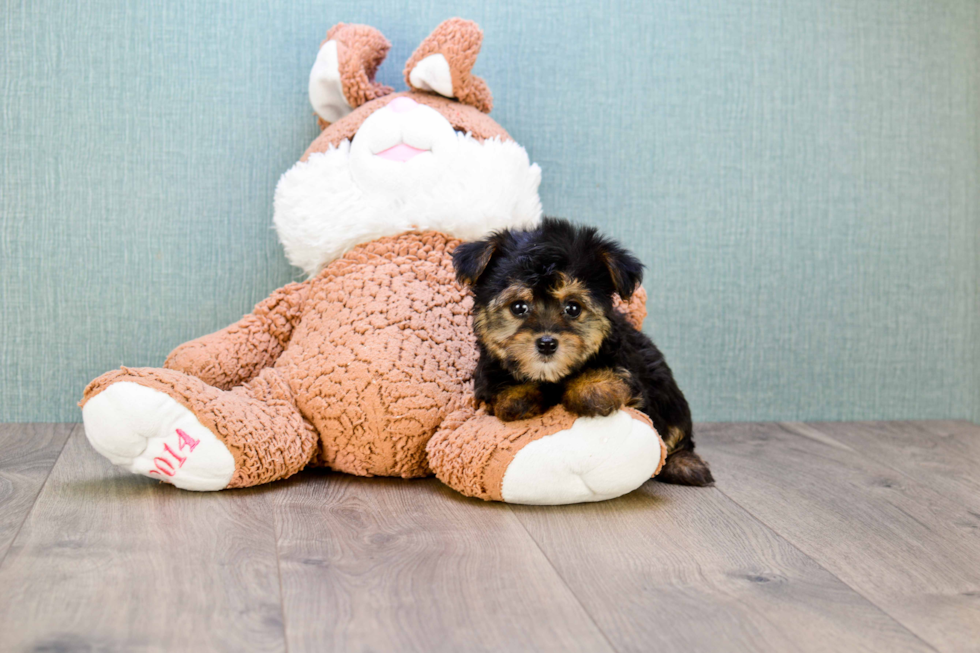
598	458
149	433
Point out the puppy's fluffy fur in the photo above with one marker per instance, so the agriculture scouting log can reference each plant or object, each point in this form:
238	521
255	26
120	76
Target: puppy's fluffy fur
548	334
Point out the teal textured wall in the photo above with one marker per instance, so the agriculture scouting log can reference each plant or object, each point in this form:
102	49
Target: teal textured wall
802	178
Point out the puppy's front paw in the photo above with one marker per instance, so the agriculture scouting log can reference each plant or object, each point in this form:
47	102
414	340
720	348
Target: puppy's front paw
519	402
596	392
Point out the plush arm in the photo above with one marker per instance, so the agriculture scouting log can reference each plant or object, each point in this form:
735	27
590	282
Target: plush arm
237	353
598	458
636	308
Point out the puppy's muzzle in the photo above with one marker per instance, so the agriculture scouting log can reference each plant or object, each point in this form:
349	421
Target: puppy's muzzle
546	345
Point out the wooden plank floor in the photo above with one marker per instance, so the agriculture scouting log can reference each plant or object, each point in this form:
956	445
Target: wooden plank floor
817	537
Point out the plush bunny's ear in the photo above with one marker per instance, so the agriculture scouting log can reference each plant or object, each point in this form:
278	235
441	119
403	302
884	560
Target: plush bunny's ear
342	77
443	62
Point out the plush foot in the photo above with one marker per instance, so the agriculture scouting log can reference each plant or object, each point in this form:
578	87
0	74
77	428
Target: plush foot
147	432
597	458
686	468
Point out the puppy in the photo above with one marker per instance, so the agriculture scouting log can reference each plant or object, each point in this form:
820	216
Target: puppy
548	334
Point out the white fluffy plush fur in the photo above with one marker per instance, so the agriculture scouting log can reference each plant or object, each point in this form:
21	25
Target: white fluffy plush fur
321	212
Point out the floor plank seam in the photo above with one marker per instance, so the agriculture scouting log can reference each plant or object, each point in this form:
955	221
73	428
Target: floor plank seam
793	544
562	578
282	595
40	489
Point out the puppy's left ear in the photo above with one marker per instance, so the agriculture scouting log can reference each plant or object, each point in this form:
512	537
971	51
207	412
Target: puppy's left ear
471	259
624	268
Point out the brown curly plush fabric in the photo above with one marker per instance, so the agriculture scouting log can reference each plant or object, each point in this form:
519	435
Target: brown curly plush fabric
360	50
471	451
390	342
357	369
635	309
459	42
237	353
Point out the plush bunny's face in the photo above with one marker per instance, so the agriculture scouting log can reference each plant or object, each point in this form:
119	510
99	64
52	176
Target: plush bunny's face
406	148
401	162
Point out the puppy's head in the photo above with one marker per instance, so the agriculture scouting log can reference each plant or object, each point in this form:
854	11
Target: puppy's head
542	297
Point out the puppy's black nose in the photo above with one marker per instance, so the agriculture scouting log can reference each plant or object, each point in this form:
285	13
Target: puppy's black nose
546	345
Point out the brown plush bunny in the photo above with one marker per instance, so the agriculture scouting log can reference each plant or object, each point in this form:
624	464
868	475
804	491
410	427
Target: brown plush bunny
367	366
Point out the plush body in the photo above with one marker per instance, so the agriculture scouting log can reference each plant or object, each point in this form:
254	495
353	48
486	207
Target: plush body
367	367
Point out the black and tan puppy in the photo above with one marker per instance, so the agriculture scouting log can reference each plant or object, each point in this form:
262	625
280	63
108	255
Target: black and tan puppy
548	334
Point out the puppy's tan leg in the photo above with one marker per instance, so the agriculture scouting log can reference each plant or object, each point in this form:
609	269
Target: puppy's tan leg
596	392
519	402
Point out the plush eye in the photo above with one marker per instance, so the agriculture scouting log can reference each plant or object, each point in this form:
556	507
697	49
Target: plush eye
520	309
572	309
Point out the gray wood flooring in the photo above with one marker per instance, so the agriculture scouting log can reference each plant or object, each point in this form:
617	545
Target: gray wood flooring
816	537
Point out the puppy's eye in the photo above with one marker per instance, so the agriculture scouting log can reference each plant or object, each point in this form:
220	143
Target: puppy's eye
520	309
572	309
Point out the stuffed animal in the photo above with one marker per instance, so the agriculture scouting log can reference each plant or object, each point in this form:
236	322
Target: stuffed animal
366	367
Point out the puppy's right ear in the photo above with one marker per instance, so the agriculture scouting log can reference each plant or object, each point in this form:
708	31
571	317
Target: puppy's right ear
471	259
625	270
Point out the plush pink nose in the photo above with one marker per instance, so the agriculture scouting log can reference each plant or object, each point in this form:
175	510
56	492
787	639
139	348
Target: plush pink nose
402	104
